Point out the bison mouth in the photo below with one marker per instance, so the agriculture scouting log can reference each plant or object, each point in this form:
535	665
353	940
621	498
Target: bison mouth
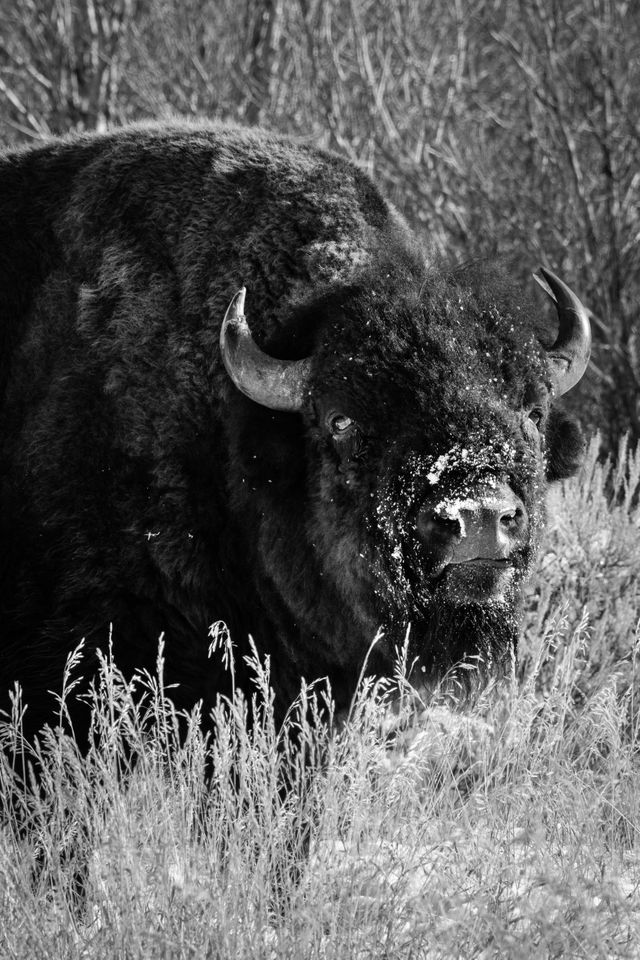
491	580
476	581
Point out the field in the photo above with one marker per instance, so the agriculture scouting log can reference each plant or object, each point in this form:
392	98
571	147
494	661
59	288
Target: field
415	828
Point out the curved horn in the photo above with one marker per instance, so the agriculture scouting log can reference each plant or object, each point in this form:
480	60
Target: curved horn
569	355
277	384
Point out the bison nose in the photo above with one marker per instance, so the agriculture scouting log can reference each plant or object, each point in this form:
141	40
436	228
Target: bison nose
488	524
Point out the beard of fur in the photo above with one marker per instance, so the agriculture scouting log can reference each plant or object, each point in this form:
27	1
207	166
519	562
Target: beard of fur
459	648
482	635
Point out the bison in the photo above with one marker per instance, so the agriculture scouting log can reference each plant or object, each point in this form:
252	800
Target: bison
368	447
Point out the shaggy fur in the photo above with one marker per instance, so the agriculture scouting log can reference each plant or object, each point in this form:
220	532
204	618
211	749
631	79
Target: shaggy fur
140	489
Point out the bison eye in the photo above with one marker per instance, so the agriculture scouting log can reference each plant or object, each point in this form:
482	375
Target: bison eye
339	424
535	416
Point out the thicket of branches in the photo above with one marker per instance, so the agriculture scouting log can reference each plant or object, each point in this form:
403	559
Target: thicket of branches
502	128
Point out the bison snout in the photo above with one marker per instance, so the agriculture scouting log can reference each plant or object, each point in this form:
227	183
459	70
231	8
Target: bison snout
489	524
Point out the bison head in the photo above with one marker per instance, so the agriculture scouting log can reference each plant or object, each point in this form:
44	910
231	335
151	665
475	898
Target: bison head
427	440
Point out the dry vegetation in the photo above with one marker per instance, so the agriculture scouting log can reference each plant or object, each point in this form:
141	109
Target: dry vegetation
506	829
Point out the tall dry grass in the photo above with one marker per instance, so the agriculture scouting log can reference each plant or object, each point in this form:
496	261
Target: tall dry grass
415	830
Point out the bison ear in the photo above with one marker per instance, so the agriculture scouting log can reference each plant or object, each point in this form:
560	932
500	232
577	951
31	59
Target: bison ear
276	384
565	444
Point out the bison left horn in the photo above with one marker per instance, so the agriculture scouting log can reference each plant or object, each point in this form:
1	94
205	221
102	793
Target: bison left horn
277	384
569	355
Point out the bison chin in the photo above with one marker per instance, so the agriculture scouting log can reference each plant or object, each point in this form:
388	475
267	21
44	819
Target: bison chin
481	634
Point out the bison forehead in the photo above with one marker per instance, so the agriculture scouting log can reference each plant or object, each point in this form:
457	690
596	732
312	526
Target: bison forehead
406	339
432	398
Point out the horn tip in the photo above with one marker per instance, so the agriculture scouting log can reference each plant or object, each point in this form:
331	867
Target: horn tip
238	300
542	279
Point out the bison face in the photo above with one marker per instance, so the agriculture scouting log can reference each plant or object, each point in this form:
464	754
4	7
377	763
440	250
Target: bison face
429	441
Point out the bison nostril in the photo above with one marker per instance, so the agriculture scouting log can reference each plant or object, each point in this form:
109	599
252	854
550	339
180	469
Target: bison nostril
434	528
446	527
508	519
513	520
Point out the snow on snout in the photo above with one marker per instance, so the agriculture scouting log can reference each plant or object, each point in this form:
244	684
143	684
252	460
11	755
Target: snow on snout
452	510
455	508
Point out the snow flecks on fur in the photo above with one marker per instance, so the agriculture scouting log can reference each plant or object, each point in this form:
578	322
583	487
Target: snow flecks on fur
484	457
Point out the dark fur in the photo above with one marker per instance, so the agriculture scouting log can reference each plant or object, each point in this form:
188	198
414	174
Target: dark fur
139	488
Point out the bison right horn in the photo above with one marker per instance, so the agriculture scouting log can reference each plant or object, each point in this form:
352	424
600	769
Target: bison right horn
569	355
277	384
